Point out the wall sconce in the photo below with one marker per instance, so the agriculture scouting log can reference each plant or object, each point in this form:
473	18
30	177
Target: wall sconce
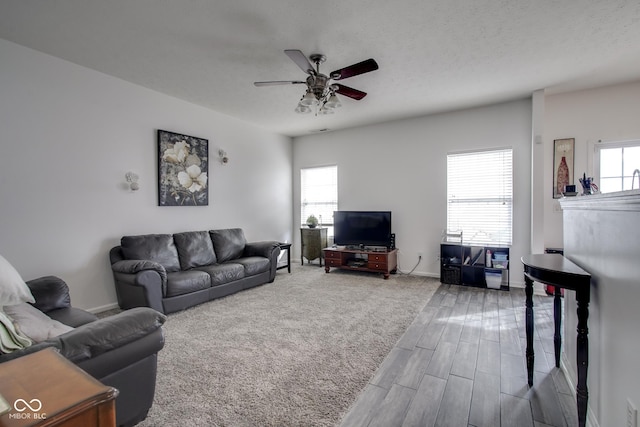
224	159
132	179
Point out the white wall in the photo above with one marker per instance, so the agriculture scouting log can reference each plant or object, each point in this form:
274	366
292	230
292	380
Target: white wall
609	113
401	166
69	134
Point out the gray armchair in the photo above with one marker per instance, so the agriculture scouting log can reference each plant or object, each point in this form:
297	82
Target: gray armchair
120	350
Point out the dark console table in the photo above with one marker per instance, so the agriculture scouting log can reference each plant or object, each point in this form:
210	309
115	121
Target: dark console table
558	271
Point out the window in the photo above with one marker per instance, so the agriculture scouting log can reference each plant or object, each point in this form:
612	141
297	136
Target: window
480	195
614	164
319	194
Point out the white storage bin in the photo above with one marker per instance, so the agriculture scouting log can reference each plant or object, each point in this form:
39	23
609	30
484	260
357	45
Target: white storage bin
494	279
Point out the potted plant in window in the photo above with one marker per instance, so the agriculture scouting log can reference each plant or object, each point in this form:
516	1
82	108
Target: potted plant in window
312	221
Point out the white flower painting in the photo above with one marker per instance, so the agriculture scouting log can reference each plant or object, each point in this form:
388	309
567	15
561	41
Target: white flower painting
182	170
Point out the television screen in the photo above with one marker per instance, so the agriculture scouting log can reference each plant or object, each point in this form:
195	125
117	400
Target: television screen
368	228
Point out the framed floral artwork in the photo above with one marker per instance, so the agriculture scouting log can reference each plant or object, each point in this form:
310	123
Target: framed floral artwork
183	163
562	165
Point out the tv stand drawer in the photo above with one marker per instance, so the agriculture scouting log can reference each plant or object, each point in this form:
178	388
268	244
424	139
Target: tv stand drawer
332	255
378	258
381	266
333	262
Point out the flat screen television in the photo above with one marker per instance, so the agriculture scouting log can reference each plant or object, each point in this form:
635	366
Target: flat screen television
356	228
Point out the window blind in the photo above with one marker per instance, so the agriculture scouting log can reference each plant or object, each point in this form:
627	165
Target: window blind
319	194
480	196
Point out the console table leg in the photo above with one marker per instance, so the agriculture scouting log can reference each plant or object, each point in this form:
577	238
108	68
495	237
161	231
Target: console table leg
557	320
582	355
529	327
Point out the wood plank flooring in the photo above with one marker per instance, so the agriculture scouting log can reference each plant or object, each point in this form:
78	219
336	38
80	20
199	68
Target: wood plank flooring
461	363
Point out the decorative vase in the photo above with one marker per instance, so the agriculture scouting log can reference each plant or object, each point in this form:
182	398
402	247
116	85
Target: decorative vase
311	225
563	176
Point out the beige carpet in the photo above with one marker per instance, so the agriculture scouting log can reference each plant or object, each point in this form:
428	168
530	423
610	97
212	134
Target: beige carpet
295	352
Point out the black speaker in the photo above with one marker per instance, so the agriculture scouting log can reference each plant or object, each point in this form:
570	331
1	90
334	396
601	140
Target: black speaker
392	241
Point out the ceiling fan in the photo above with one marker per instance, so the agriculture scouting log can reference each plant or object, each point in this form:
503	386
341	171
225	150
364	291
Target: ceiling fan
321	90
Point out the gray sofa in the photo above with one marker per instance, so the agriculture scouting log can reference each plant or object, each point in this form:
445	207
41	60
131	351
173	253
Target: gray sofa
119	350
171	272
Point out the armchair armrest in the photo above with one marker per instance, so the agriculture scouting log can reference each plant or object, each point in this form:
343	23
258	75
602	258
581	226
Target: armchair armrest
103	335
50	293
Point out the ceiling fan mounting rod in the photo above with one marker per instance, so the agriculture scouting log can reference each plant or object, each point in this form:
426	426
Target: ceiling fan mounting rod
317	59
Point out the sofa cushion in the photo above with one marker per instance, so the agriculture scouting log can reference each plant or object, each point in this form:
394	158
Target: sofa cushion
223	273
254	264
153	247
195	249
185	282
228	244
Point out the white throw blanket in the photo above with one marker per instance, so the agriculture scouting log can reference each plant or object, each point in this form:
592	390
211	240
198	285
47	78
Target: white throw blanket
11	338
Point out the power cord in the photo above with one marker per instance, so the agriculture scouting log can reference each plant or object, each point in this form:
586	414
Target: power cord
414	267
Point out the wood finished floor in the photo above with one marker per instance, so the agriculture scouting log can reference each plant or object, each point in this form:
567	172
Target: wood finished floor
461	364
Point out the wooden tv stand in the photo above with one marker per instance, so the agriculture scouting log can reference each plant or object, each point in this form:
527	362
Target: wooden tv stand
361	260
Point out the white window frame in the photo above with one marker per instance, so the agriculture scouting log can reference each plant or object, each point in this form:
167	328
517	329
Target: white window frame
603	145
470	185
327	186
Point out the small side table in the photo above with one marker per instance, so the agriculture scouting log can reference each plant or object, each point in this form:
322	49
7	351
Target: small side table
44	389
313	241
558	271
286	247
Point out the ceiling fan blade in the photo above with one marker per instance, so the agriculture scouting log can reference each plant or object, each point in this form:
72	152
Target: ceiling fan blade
278	83
350	92
300	59
355	69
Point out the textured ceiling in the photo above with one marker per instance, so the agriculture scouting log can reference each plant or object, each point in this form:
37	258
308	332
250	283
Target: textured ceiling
434	55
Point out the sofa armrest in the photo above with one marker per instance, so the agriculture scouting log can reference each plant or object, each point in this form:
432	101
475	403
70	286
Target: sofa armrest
265	249
268	249
50	293
109	333
140	283
133	266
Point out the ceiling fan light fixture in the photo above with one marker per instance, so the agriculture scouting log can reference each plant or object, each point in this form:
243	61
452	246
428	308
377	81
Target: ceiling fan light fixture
309	99
324	111
333	102
302	109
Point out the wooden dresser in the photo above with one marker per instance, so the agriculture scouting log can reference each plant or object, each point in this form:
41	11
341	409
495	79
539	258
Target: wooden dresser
45	389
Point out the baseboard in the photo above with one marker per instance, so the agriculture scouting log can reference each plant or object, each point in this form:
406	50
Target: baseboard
421	274
591	418
102	308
